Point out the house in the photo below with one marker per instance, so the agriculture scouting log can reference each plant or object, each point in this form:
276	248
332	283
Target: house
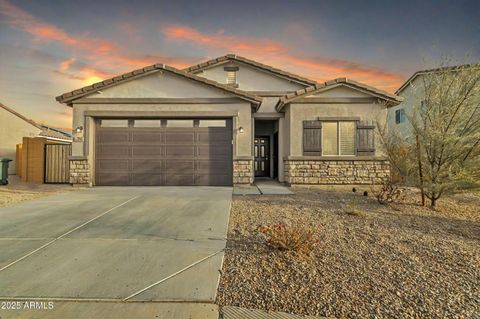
413	94
14	127
226	121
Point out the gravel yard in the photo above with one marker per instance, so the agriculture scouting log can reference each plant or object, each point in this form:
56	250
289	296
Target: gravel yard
395	261
17	191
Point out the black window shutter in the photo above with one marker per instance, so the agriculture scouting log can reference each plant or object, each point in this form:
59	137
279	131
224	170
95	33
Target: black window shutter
312	138
365	139
397	116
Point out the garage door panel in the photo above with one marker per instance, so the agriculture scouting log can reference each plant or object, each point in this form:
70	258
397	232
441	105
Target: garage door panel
216	136
112	164
176	179
179	165
147	179
147	165
180	138
113	151
213	151
147	137
114	178
149	151
144	154
112	137
180	150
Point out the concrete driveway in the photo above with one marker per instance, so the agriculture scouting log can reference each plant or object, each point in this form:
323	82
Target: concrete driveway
157	250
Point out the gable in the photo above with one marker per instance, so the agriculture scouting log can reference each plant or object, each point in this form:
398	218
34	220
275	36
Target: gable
250	78
341	91
161	85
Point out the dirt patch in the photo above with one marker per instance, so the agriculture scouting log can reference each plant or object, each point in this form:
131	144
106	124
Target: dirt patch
401	260
17	191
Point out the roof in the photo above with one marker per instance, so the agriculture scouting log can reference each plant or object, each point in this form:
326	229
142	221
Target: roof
327	85
76	94
46	131
20	116
233	57
54	133
447	68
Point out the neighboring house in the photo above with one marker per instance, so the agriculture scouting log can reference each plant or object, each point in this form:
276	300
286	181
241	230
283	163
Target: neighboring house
413	94
226	121
14	127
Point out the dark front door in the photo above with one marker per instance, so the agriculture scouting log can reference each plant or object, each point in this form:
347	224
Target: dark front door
261	151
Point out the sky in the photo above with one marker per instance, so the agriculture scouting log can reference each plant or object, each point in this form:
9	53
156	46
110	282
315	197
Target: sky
51	47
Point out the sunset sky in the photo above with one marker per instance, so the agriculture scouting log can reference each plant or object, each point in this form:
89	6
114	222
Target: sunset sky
50	47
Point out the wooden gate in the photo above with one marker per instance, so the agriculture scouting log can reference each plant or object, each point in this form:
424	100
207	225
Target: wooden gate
57	168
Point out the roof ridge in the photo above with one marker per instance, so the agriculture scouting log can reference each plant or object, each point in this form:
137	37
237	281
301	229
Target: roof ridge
204	64
443	68
69	96
319	86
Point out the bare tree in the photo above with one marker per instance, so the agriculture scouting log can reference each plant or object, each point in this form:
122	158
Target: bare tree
443	144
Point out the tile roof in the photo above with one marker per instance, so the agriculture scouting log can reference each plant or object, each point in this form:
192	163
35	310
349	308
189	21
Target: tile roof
447	68
50	132
322	86
73	95
229	57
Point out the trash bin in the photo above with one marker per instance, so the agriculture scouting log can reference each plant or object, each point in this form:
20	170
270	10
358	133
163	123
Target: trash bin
4	170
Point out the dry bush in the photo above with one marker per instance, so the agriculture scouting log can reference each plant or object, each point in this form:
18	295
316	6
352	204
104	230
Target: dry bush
300	239
388	193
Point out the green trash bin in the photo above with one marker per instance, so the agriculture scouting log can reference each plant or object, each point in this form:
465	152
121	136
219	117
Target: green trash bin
4	170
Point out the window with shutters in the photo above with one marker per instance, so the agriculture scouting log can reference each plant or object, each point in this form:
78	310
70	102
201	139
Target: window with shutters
329	138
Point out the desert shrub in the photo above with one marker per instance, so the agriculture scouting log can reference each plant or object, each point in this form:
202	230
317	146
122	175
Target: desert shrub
300	239
388	192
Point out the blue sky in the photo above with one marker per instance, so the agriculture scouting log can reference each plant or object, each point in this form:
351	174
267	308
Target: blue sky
51	47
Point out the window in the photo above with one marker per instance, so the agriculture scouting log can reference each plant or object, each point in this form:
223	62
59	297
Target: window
146	123
180	123
338	138
231	77
329	138
423	106
347	138
114	123
212	123
400	116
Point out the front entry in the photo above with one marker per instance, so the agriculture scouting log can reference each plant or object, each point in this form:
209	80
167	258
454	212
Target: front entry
261	150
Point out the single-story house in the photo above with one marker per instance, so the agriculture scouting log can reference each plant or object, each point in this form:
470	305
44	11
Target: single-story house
226	121
14	127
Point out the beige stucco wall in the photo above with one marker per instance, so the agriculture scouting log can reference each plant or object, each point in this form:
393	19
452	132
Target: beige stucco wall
297	113
161	84
12	131
412	99
251	79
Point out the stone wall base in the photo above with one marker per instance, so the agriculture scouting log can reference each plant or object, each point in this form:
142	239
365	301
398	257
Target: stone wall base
80	172
336	171
243	171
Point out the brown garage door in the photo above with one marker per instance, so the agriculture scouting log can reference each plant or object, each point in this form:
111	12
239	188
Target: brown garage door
163	152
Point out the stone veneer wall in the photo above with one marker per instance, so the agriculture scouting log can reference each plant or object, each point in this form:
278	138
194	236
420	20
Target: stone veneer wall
336	171
79	172
243	171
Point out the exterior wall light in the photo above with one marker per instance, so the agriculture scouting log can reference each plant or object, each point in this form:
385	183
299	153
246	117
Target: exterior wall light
240	129
79	129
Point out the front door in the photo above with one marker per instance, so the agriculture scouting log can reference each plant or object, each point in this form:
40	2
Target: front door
261	151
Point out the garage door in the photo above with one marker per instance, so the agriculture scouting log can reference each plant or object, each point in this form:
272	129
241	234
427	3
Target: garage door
163	152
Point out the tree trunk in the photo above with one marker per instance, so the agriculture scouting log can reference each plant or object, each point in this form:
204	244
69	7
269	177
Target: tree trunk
420	170
433	202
